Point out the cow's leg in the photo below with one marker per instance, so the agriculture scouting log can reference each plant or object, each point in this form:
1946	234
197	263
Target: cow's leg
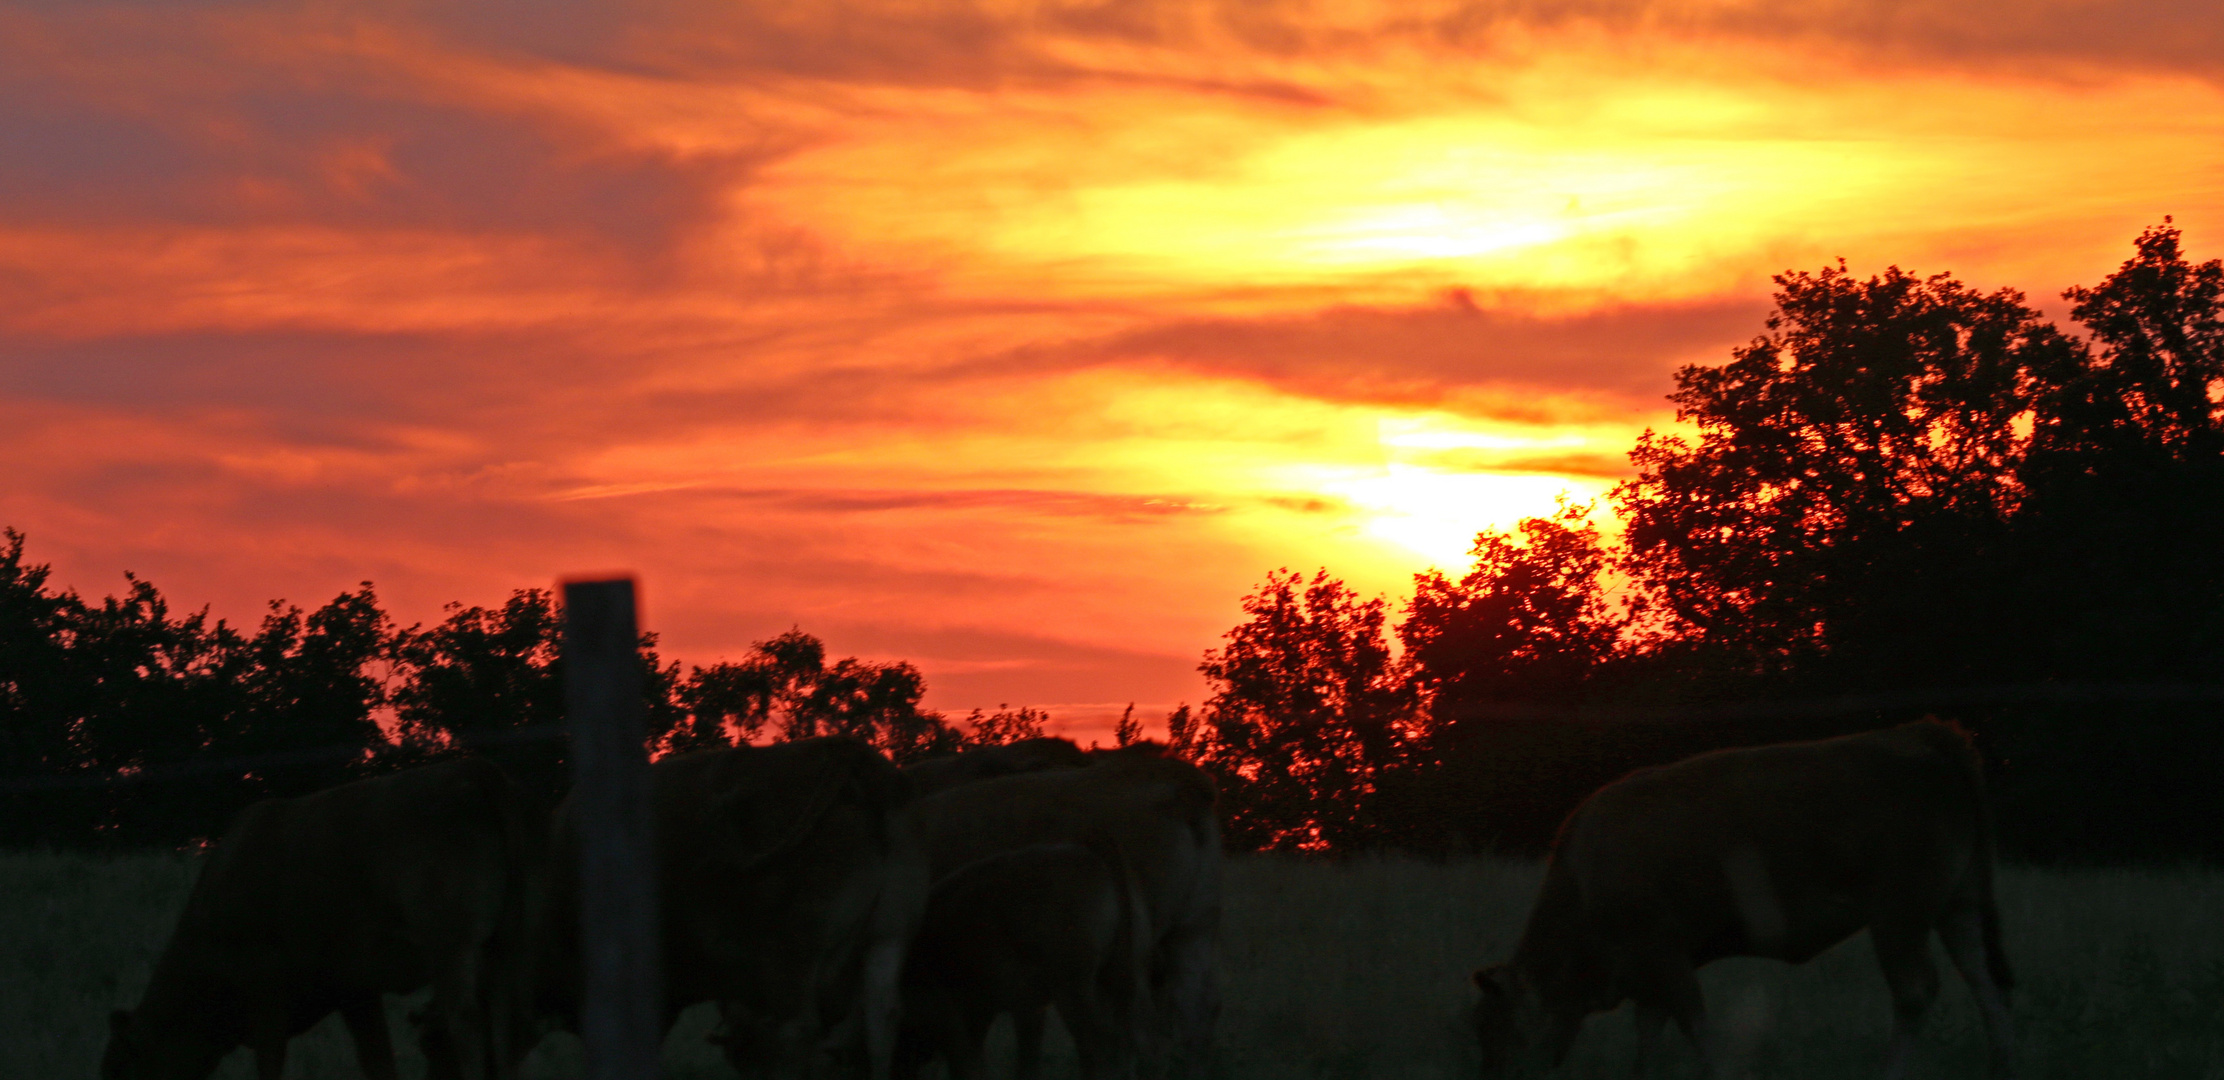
1027	1040
1105	1049
1123	996
459	1003
1188	996
435	1043
1652	1023
1903	951
1666	986
502	1001
966	1053
365	1017
1962	932
938	1024
917	1043
881	998
270	1055
741	1037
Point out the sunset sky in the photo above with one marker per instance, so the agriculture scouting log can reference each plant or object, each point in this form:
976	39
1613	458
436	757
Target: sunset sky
1015	340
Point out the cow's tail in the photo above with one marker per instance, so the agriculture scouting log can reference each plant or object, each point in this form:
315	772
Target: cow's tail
1955	739
1124	979
1129	965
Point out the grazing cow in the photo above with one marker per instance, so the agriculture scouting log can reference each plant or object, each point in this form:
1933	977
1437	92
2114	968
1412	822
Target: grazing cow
328	901
989	762
789	886
1778	851
1047	925
1162	814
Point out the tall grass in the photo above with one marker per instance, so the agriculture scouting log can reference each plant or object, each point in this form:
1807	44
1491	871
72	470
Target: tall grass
1339	970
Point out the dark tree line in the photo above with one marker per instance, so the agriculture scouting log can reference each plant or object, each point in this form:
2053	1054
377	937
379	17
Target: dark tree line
1903	488
122	722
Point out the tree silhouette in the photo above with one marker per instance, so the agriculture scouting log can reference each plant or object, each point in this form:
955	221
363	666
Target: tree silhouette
1529	622
1853	468
2117	558
123	685
2116	540
1128	730
1005	725
1309	706
305	681
82	689
35	670
482	675
784	689
1904	483
311	679
2153	387
200	719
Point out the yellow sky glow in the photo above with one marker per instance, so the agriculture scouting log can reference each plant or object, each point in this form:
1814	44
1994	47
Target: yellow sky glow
1572	182
972	336
1572	176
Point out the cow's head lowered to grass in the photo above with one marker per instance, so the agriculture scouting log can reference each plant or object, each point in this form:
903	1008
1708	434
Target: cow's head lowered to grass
1778	851
1517	1033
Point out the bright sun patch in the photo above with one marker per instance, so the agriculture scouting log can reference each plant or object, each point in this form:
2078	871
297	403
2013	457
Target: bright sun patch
1425	514
1437	514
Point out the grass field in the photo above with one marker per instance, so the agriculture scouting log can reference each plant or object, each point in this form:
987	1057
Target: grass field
1341	970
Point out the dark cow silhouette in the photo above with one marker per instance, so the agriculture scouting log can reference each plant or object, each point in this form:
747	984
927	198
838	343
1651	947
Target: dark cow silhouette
326	902
1776	851
790	885
1048	925
988	762
1163	816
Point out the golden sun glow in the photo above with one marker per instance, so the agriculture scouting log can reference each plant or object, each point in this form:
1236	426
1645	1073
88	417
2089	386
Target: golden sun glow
1436	514
1570	176
1428	515
988	337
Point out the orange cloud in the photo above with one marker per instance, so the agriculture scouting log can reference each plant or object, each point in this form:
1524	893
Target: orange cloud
1018	339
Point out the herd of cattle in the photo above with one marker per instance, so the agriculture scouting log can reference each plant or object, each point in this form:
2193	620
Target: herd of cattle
850	918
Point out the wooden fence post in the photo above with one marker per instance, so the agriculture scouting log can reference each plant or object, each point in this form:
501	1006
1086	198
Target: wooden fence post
621	1012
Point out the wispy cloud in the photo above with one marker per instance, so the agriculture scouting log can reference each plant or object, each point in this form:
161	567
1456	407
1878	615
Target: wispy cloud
1021	337
1423	354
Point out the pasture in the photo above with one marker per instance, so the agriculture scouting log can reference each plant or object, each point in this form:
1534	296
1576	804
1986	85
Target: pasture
1337	971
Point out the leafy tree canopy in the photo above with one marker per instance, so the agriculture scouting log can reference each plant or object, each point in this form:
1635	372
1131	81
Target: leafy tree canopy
1530	620
1309	702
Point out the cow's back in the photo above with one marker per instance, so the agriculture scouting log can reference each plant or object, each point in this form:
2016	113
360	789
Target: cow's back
308	903
353	884
1022	920
1778	850
781	870
1160	812
988	762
